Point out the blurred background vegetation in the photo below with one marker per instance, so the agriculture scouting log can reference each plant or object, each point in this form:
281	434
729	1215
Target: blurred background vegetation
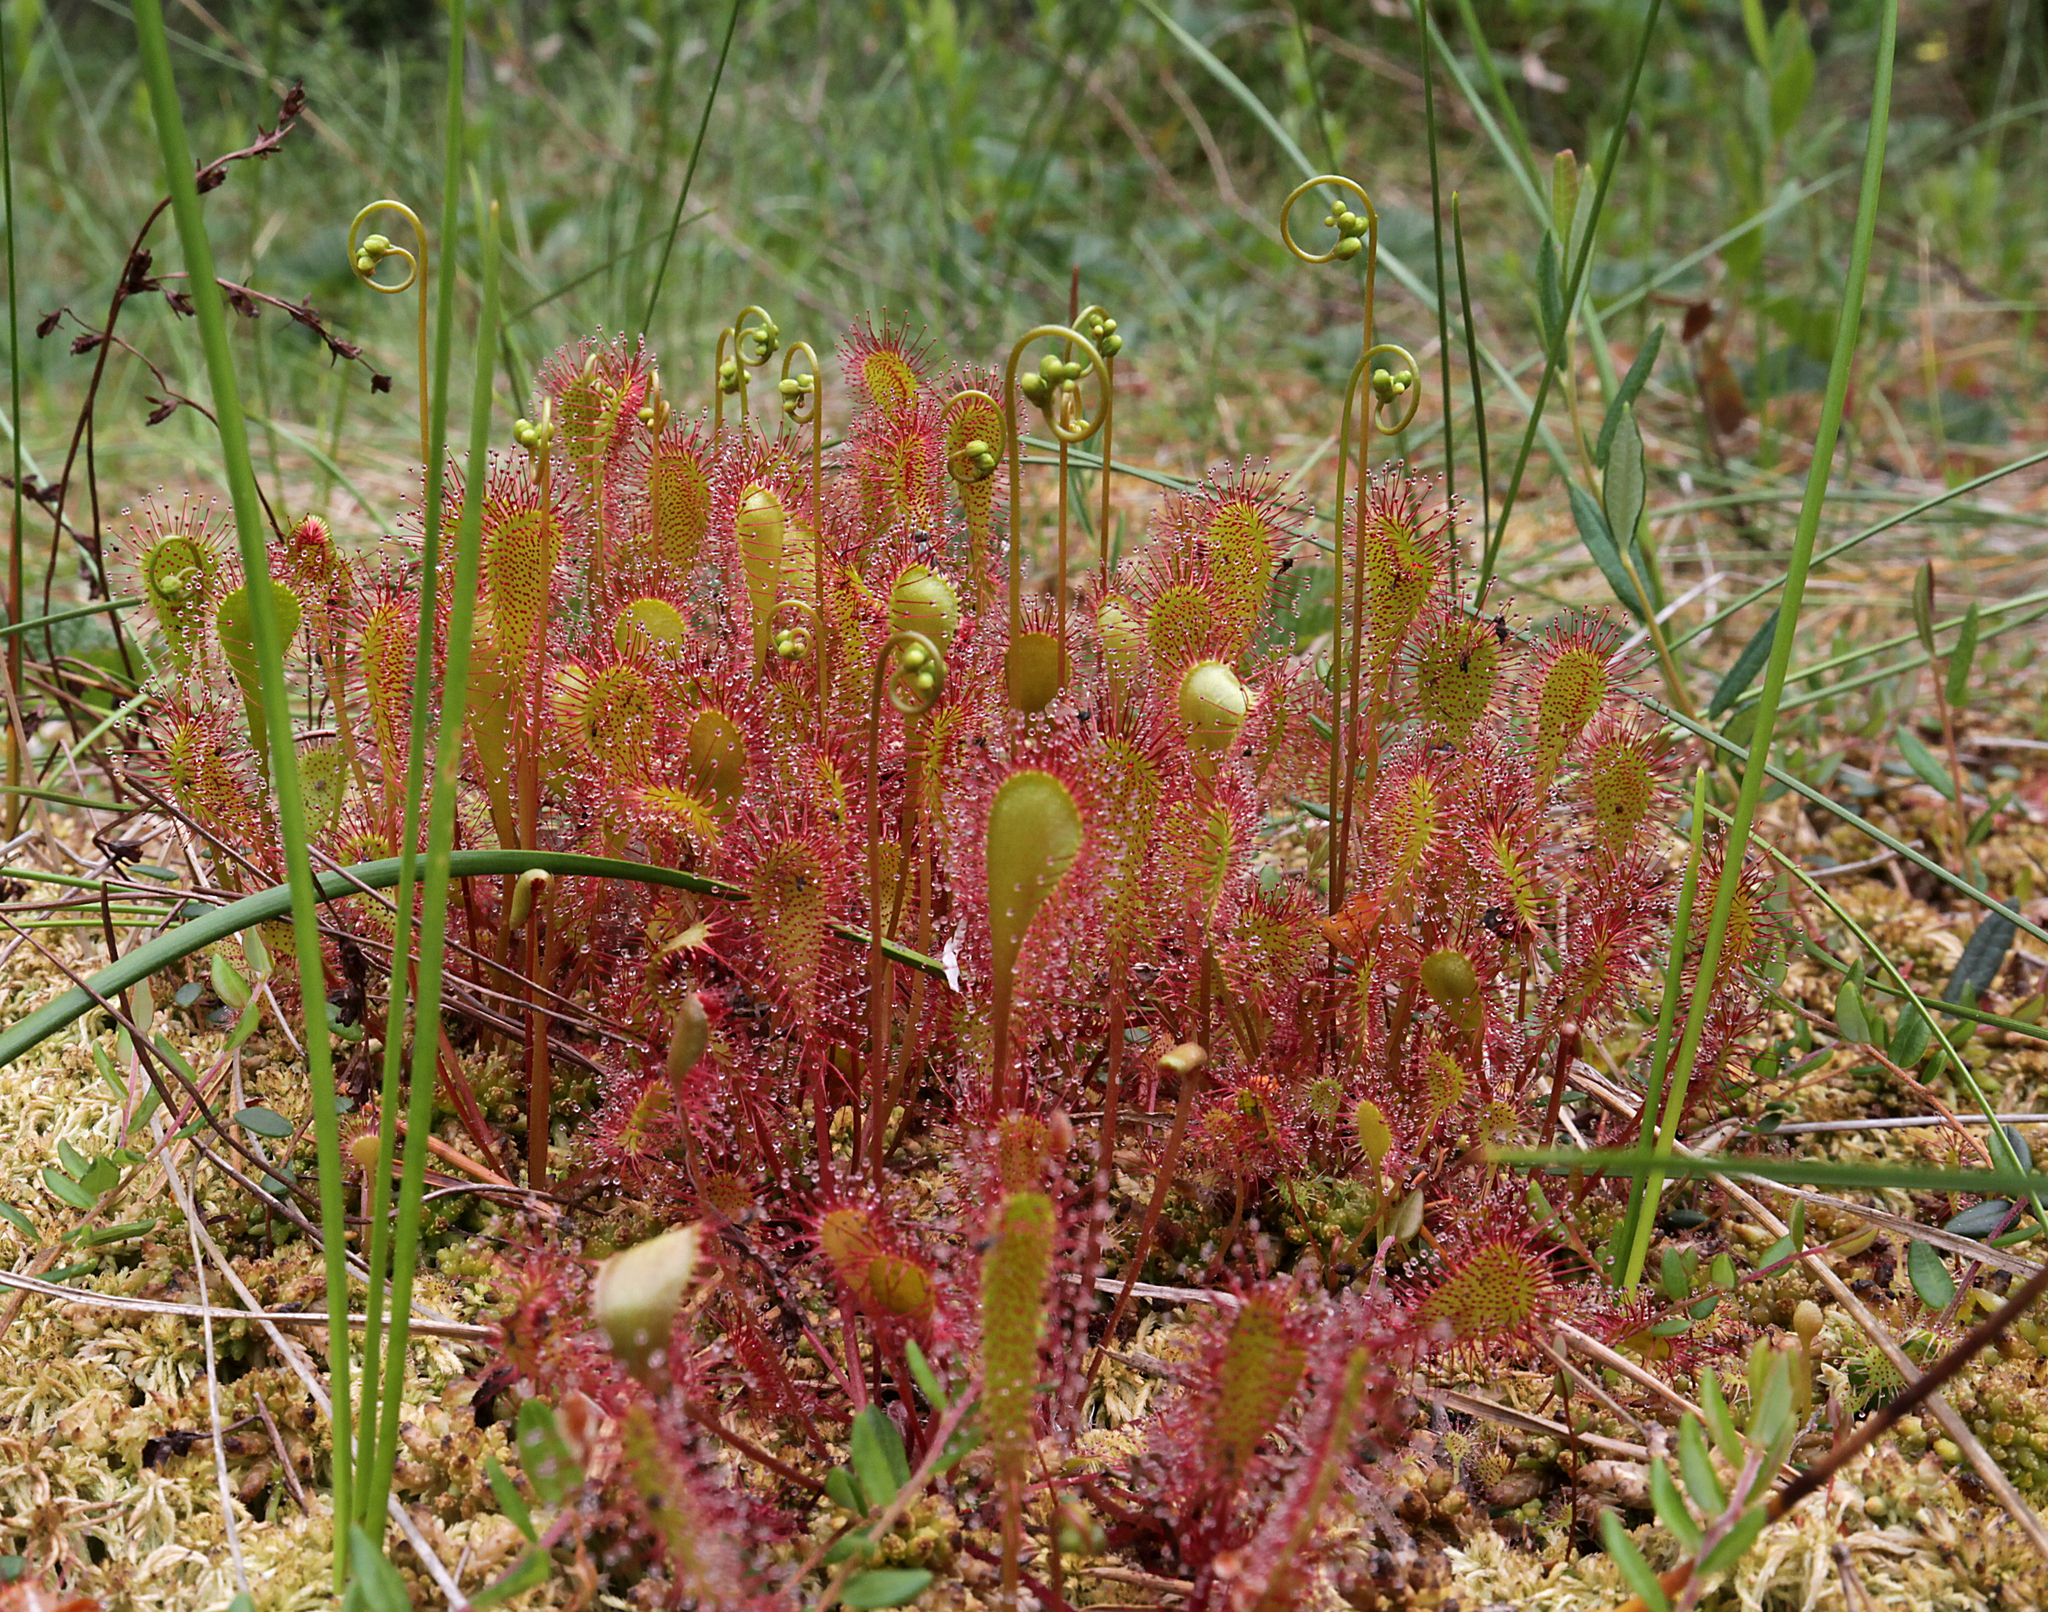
951	164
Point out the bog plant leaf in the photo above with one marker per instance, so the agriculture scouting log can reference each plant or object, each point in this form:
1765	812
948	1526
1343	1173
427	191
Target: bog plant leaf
1623	488
1013	1279
1930	1276
1034	835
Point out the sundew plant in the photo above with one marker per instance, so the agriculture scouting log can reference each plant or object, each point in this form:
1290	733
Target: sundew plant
833	946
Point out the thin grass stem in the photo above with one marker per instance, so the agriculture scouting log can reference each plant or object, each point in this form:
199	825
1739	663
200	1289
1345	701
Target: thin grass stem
1757	769
153	47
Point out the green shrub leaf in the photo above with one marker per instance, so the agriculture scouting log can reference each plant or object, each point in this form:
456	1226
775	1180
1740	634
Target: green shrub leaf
1930	1275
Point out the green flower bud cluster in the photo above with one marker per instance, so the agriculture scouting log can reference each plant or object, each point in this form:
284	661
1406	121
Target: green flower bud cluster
795	389
1052	374
1101	330
1390	384
1351	229
374	250
758	342
792	643
654	412
925	673
978	457
730	377
533	438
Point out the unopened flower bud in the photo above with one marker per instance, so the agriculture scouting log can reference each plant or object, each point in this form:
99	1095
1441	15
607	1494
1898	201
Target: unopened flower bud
638	1293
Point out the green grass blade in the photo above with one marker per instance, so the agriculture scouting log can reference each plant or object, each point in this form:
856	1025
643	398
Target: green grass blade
1472	367
426	1047
1757	768
153	46
2010	1181
1660	1124
1862	824
377	1361
1581	261
1436	222
2025	462
690	173
265	906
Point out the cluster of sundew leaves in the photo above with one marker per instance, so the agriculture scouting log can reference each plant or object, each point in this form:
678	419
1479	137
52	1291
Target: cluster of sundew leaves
679	638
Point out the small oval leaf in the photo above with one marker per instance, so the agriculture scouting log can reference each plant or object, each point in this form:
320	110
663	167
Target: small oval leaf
263	1122
1980	1220
1930	1275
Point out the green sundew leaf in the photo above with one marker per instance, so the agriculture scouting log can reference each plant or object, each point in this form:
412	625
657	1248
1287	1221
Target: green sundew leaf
263	1122
1910	1037
1722	1272
884	1586
19	1221
1593	532
1624	488
1670	1506
922	1374
1923	762
1930	1275
881	1471
74	1161
530	1571
1980	1220
62	1186
1849	1019
102	1176
1792	71
840	1490
1549	293
1673	1277
544	1455
1960	659
1734	1544
381	1588
1923	604
1625	395
1696	1466
1637	1572
510	1501
1983	956
1744	672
